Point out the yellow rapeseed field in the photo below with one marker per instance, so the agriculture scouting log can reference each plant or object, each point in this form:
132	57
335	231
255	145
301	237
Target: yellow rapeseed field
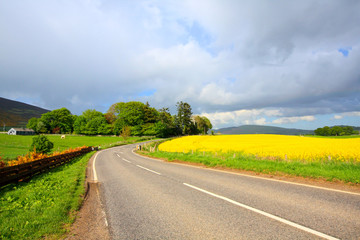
271	146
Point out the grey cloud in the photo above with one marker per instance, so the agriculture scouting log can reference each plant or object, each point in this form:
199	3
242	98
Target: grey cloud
90	54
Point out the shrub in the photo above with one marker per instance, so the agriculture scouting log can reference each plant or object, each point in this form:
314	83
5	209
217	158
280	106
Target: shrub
2	163
41	144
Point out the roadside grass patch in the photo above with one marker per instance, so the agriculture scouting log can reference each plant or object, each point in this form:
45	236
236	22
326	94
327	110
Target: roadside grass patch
43	207
12	146
329	170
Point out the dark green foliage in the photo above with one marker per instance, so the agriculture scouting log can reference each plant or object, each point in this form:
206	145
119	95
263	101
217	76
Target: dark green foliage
142	120
150	114
183	118
203	124
33	123
59	119
334	131
132	113
92	122
41	144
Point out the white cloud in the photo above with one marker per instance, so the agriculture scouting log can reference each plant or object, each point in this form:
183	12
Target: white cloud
338	117
241	117
347	114
286	120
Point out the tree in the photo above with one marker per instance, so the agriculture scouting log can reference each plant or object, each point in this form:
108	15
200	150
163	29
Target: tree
33	123
131	113
41	144
334	131
165	125
319	131
91	114
326	131
110	117
183	117
150	114
59	118
40	127
348	130
203	124
92	122
149	129
118	125
80	125
126	132
95	125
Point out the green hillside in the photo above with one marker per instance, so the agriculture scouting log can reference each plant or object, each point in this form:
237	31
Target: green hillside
17	114
258	129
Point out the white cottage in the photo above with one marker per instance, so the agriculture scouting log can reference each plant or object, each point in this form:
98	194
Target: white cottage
21	131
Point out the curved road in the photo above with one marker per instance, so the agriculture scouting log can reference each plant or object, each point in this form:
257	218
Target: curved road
151	199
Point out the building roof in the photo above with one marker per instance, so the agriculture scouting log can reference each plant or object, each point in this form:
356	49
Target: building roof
23	129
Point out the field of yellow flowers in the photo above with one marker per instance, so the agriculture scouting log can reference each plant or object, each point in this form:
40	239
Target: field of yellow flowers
273	147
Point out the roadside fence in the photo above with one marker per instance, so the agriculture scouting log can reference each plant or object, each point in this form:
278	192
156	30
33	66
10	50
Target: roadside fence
27	170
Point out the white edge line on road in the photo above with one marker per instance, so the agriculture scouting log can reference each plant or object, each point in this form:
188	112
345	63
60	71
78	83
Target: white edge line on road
250	176
94	170
93	166
148	169
298	226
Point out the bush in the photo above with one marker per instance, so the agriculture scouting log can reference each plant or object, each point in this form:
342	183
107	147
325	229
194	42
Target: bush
41	144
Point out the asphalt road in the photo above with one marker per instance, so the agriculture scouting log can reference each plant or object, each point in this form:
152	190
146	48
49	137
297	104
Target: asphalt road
151	199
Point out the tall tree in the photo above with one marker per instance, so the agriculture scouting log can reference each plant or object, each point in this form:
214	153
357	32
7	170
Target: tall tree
203	124
131	113
183	117
150	114
58	119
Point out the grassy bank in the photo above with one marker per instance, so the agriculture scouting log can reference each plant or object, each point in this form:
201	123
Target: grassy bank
44	206
12	146
347	172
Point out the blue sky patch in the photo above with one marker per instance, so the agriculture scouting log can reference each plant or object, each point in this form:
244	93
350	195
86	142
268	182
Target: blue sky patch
345	51
147	93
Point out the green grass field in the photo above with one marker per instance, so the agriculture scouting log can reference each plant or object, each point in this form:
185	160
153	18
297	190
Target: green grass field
12	146
45	207
42	207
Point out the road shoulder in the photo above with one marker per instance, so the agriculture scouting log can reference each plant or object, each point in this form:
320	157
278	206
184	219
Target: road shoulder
90	223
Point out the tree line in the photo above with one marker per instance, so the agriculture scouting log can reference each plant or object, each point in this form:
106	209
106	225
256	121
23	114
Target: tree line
335	131
130	118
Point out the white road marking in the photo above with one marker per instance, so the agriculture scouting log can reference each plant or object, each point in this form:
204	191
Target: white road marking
298	226
126	160
250	176
94	170
148	169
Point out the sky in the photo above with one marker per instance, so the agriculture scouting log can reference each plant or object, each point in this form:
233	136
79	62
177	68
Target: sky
282	63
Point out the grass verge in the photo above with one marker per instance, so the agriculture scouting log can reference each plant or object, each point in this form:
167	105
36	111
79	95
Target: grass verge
347	172
43	207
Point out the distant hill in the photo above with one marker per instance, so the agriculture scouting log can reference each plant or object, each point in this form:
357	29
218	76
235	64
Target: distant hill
17	114
259	129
